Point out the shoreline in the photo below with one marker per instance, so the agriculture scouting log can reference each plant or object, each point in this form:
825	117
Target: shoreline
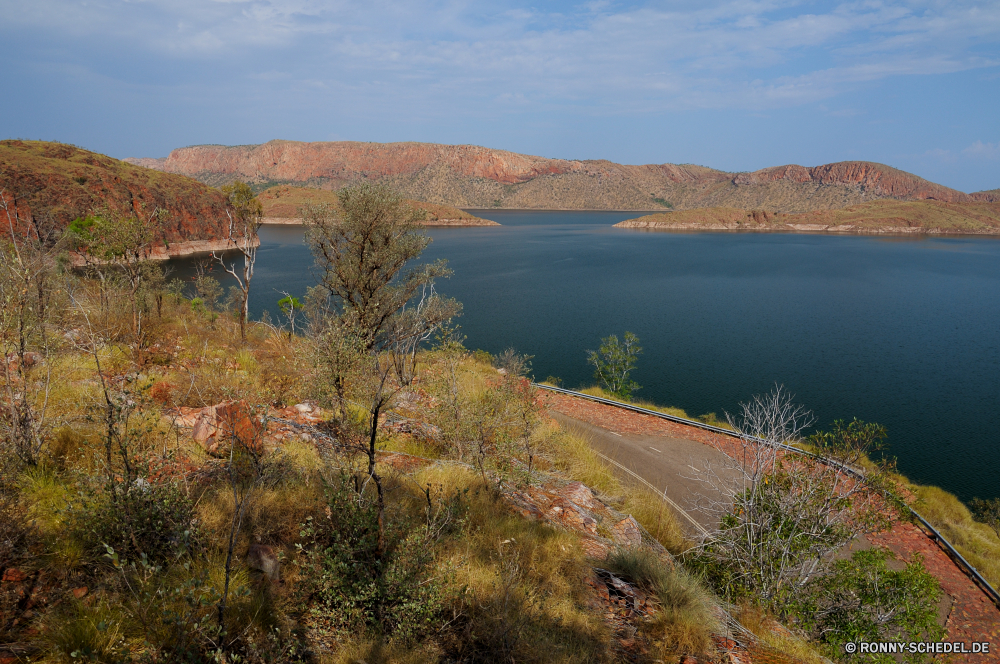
299	221
834	229
161	254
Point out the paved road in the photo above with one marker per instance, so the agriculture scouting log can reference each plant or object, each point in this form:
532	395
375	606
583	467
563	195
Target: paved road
662	463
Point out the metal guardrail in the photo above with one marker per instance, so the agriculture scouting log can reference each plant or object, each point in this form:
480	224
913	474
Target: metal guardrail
945	544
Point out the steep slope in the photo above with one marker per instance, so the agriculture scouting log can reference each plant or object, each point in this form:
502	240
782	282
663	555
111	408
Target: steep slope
283	203
882	216
52	184
473	176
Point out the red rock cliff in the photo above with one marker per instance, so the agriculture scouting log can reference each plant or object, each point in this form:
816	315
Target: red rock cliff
58	183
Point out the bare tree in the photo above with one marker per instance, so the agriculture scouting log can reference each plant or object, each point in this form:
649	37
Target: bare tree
26	268
781	515
415	325
247	469
245	213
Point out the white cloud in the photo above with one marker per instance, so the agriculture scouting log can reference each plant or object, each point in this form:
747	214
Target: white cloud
982	150
706	55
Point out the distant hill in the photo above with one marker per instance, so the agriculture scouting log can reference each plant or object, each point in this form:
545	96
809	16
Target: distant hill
283	203
478	177
882	216
53	183
989	196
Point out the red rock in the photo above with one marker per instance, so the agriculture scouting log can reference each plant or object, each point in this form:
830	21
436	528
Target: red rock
65	182
80	592
14	575
430	167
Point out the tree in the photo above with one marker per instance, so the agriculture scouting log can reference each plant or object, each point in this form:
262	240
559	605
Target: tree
782	515
613	362
245	213
123	241
291	307
26	273
361	250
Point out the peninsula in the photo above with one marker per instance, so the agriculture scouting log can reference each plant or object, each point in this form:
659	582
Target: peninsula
885	216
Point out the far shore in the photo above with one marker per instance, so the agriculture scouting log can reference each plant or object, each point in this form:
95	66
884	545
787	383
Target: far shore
299	221
845	229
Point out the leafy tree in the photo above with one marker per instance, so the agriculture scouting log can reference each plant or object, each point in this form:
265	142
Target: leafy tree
245	213
120	241
361	250
614	361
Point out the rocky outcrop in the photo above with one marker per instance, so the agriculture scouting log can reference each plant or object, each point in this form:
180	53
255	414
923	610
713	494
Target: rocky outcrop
989	196
879	180
875	217
50	184
478	177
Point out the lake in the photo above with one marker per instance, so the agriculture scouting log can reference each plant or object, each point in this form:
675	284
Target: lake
904	331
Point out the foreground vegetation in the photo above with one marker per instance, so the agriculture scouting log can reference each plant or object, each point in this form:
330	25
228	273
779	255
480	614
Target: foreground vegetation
182	485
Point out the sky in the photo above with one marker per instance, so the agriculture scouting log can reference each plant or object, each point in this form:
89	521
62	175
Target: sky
731	85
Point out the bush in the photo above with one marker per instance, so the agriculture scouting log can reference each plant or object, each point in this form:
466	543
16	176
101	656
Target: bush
147	519
355	589
862	599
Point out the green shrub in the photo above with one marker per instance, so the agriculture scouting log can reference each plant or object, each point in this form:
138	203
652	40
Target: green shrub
147	519
862	599
355	588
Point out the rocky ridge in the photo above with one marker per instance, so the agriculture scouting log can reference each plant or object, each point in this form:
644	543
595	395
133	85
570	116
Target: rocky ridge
50	184
478	177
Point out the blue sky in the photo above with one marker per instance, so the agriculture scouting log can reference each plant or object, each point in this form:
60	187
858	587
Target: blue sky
732	85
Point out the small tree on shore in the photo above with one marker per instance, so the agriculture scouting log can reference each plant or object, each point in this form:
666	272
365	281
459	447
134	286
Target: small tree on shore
614	361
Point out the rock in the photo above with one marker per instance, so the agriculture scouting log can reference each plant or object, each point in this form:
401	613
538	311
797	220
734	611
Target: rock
263	559
303	408
66	182
580	494
80	592
627	532
14	575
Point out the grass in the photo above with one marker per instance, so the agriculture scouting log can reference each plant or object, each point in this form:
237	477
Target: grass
684	622
977	542
708	418
772	635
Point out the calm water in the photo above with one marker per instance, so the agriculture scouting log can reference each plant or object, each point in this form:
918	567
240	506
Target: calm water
901	331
